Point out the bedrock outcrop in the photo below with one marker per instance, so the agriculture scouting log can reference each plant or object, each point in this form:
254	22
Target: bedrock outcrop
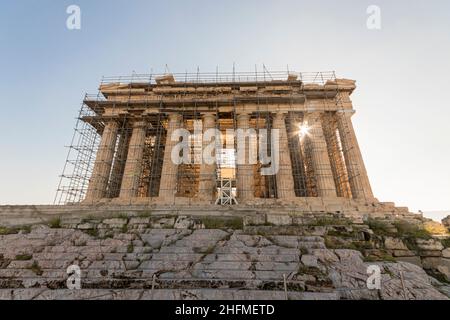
251	256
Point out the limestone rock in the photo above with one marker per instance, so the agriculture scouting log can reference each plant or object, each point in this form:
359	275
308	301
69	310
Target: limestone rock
413	260
403	253
309	260
434	262
145	221
86	226
394	244
255	220
429	244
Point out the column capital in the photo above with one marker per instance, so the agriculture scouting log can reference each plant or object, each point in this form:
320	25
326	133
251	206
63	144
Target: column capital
208	116
111	124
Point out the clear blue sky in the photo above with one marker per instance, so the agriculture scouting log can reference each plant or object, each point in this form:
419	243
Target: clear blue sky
402	73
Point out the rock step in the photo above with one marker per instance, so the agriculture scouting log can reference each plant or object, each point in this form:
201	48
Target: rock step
174	283
160	294
258	272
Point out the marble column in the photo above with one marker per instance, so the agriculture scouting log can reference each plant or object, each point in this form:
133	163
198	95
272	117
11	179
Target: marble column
244	172
169	174
357	174
119	163
133	164
102	167
317	148
284	177
207	180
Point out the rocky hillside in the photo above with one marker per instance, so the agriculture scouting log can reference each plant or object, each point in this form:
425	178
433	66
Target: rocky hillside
257	256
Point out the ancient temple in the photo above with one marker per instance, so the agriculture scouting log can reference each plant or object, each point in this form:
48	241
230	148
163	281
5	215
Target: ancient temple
124	142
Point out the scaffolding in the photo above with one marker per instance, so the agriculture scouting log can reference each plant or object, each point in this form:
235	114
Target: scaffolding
91	122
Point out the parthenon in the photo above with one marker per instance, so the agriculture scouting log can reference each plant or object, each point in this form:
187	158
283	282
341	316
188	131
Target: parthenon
124	140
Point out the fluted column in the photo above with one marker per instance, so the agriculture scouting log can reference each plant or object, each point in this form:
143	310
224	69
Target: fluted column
336	156
119	163
244	171
207	181
169	174
284	177
317	147
103	162
357	174
133	165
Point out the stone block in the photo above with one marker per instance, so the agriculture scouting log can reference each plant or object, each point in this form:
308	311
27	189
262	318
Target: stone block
446	253
183	222
255	220
134	221
446	222
86	226
309	260
413	259
429	244
115	222
430	253
279	220
163	223
435	262
278	266
403	253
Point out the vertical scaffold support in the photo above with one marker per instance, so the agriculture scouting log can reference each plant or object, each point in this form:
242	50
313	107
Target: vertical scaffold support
225	195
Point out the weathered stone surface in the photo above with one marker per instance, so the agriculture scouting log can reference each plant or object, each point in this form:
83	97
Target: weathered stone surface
417	283
309	260
435	228
434	262
430	253
429	244
394	244
121	262
446	221
413	260
115	222
279	220
139	221
403	253
446	253
163	223
255	220
183	223
86	226
161	294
